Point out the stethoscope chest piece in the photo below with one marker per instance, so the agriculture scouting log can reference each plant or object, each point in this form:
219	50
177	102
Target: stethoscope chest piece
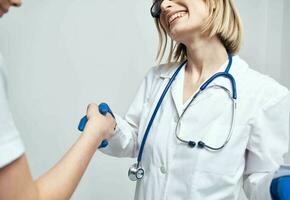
135	172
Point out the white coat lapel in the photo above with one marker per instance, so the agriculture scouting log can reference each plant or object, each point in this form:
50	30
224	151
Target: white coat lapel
176	87
177	91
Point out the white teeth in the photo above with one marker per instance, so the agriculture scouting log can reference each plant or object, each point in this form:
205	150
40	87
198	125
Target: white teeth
176	15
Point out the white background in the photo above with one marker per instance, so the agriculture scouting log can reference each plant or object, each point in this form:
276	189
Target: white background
61	55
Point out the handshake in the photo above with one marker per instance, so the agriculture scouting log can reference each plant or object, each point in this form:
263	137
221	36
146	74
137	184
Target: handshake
96	120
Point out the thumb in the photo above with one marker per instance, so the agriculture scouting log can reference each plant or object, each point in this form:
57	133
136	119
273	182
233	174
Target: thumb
92	110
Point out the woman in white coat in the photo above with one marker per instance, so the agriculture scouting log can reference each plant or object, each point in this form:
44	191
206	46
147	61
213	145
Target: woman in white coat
204	32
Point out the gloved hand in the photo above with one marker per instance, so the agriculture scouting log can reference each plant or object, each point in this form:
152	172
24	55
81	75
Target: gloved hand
280	188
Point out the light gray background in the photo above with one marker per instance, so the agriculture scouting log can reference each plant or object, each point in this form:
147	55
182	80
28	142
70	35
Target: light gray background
61	55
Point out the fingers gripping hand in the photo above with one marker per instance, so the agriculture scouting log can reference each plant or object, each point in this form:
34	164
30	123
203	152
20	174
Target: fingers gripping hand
4	6
98	123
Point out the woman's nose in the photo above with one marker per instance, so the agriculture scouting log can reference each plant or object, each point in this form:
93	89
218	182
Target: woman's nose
165	5
16	3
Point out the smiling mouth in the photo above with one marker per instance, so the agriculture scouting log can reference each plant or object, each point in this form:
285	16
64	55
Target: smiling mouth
176	16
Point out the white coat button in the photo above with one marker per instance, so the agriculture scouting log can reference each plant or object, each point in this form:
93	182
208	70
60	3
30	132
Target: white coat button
163	170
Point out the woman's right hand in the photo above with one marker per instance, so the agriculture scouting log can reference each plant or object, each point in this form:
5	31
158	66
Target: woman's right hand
98	124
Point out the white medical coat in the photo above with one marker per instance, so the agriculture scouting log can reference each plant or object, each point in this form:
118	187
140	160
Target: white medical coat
173	171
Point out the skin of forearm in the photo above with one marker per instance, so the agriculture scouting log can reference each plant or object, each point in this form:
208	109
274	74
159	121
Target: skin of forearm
16	181
61	180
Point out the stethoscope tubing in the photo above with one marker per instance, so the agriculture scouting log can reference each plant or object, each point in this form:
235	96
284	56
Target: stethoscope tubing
155	112
200	143
225	74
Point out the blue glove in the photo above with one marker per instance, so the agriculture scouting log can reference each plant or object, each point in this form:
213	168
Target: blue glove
280	188
103	109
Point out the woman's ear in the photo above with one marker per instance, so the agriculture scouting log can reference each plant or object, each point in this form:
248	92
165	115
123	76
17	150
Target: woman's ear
213	3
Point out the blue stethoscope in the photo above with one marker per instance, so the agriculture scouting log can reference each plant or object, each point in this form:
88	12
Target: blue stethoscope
136	172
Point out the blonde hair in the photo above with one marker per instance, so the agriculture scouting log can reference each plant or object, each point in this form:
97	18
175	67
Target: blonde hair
223	21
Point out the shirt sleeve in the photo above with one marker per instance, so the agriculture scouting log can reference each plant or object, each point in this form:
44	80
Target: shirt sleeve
268	143
11	146
125	141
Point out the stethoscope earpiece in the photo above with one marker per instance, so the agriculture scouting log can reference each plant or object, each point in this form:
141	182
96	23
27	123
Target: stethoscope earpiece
200	144
191	144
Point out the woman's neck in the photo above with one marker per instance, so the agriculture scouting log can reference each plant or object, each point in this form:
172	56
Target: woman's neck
205	56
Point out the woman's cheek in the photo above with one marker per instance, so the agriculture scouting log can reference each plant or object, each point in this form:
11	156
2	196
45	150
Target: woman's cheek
163	22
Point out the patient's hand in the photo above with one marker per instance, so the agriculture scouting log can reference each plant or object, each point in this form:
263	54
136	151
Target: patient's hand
98	123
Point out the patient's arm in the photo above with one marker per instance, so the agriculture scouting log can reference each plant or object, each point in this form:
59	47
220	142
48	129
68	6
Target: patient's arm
60	181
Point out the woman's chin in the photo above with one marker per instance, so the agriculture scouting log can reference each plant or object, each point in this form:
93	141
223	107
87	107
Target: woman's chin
177	33
181	32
